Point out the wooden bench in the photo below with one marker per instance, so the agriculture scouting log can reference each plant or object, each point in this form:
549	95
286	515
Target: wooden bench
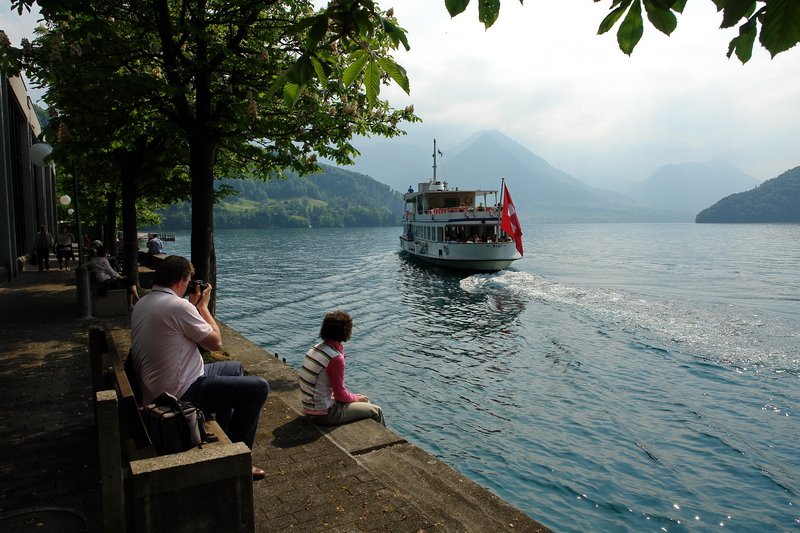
206	488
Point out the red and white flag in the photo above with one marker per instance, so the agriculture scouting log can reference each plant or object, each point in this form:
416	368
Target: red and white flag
509	221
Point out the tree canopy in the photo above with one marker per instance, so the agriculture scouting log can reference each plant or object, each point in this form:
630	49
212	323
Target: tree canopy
256	85
775	22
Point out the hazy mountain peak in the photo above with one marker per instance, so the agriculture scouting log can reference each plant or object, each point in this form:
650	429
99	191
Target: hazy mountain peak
692	185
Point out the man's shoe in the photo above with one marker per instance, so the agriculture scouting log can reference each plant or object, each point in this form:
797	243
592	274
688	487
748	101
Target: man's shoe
258	474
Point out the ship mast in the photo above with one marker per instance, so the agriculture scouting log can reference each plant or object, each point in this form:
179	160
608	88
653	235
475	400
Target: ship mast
433	180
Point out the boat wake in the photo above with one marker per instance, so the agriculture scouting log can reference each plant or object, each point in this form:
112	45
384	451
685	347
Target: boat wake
722	334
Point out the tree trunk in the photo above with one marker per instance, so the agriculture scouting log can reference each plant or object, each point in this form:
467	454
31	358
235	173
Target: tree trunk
110	229
201	163
130	171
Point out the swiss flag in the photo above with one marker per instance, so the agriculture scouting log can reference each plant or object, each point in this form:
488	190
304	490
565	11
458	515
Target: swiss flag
509	221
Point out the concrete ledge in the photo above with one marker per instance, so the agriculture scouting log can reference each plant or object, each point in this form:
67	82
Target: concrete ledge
146	277
115	303
458	503
361	437
208	489
452	500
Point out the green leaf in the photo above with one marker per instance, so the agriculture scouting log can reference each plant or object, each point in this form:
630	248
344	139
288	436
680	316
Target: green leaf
318	30
395	33
302	71
372	82
396	72
780	27
363	23
291	92
351	73
743	44
613	17
277	85
662	19
488	11
320	70
736	10
456	7
631	29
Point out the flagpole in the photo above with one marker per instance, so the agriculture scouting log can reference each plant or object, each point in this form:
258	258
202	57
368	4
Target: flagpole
434	160
502	190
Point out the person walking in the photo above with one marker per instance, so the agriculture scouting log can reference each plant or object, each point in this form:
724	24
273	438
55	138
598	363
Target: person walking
44	243
64	252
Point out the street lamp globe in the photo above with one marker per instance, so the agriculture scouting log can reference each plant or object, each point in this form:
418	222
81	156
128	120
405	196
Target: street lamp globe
38	153
65	200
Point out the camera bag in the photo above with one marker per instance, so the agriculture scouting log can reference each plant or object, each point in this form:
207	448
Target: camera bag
174	425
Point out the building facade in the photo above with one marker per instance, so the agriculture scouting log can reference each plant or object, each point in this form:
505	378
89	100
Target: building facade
27	191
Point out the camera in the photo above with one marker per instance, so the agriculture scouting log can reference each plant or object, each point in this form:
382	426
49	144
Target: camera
190	289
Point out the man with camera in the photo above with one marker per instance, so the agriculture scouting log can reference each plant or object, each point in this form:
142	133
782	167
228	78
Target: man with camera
166	329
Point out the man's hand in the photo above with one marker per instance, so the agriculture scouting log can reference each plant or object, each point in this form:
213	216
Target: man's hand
201	298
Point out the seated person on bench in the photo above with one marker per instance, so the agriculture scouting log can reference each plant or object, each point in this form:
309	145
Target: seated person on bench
108	279
165	331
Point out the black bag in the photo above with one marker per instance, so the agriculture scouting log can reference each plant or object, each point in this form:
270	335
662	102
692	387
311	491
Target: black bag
34	260
173	425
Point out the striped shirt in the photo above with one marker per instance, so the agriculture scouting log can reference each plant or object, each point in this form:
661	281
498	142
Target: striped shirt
322	378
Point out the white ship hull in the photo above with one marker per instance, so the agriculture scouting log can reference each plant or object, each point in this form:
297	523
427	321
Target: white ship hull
486	257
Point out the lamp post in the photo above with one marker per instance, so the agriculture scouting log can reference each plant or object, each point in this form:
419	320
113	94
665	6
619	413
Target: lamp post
38	153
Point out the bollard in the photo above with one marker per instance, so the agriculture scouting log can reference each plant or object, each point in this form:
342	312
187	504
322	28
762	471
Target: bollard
84	291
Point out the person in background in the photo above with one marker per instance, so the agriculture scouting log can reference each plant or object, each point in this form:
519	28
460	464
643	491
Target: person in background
326	400
154	245
44	243
166	330
107	278
64	252
94	247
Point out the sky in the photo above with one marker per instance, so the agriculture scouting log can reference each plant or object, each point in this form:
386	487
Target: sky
542	76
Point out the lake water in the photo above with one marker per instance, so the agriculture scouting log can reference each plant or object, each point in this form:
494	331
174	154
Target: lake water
621	377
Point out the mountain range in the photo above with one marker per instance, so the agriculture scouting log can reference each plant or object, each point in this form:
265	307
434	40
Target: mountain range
541	192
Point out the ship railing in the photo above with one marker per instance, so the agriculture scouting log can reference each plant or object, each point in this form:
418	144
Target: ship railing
469	211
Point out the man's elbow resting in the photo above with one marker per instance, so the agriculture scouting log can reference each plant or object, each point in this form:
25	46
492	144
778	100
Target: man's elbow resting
213	342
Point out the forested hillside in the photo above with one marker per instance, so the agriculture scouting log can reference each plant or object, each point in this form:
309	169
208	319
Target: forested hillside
775	200
332	198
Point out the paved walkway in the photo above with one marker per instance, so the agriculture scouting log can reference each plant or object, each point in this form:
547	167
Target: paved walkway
358	477
48	451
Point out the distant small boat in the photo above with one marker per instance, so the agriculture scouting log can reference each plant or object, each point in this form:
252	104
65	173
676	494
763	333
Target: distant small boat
463	229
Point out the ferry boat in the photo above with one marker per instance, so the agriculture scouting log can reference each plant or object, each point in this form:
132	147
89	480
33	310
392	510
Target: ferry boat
463	229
